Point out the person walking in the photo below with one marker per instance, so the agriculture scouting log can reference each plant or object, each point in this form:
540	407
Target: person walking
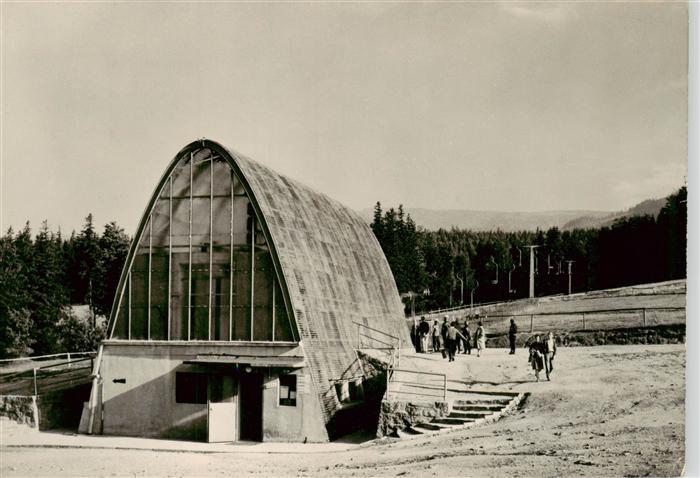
443	336
451	342
458	341
549	349
536	359
467	338
480	339
414	336
436	336
423	331
512	335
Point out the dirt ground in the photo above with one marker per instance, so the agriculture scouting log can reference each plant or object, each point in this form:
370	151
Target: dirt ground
609	411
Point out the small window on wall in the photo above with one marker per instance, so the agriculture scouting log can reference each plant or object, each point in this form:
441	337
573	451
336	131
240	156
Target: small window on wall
288	390
190	387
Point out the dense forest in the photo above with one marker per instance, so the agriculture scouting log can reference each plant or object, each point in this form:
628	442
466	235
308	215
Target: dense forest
445	268
42	275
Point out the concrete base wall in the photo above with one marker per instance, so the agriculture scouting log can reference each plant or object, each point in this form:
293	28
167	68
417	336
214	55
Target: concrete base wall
138	392
300	423
396	415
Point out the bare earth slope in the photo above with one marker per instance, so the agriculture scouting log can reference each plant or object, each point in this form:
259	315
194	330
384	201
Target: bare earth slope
609	411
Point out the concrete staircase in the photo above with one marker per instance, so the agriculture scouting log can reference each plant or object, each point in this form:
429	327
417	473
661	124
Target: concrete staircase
466	413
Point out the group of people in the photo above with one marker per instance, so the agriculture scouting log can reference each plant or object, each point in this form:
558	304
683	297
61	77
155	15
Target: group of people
542	354
450	338
447	337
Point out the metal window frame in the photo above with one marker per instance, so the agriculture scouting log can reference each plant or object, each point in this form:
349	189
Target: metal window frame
233	161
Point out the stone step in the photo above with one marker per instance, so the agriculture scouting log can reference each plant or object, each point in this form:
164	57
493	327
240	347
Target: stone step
479	408
474	416
484	402
465	413
452	420
427	427
407	433
471	414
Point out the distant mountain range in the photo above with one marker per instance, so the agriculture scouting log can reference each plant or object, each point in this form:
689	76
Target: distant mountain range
650	206
433	219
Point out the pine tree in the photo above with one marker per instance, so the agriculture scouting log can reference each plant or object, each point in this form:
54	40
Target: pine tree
49	296
113	247
88	265
15	322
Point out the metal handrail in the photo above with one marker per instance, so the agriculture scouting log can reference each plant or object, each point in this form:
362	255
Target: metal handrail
376	330
390	376
9	377
456	308
395	347
69	363
419	372
578	295
40	357
375	339
589	311
644	310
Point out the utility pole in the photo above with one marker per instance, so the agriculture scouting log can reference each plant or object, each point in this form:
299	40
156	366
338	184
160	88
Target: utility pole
532	270
471	302
569	263
461	290
520	257
510	289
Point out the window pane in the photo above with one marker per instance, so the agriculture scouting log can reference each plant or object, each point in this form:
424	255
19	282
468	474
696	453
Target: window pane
222	178
139	297
159	294
179	298
263	296
200	178
161	224
288	390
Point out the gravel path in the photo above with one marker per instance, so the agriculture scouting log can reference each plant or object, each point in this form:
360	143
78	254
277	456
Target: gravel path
609	411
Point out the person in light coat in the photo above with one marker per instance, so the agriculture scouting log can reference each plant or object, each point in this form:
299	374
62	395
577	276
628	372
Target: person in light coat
451	340
480	339
549	349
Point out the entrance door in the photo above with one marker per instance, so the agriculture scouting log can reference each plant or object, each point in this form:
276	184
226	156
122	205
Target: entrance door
221	409
250	391
221	419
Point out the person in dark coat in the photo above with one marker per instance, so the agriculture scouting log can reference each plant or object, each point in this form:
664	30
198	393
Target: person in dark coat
443	336
423	331
512	334
537	355
466	341
414	337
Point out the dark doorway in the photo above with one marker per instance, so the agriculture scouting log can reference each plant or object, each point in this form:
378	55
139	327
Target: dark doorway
251	406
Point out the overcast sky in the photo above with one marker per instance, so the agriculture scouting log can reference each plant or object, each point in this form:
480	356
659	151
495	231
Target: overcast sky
485	106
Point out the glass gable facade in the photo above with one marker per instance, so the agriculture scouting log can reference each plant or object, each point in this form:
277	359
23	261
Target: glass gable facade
202	268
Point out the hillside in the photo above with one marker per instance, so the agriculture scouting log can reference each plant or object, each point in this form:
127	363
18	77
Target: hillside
649	206
433	219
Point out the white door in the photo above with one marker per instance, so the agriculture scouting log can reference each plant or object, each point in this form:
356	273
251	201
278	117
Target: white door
221	421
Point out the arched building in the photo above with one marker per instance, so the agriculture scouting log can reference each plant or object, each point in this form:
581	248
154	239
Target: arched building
236	314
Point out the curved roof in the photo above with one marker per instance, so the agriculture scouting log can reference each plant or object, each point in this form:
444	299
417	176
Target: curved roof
334	271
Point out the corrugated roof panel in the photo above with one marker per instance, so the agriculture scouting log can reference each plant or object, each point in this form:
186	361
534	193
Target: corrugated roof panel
335	270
